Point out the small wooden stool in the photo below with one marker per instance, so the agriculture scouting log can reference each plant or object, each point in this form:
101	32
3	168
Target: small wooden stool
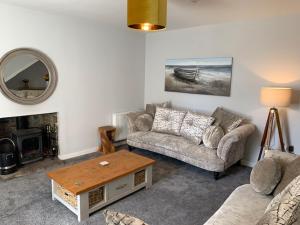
107	134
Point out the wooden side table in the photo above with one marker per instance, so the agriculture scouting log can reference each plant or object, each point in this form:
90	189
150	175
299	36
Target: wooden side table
107	135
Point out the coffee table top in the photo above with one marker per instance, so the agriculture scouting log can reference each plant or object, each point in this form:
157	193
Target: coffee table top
88	175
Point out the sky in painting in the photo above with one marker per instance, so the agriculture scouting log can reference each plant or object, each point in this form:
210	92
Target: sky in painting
220	61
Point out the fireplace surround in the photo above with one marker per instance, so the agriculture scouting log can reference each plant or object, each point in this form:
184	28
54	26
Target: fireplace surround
35	136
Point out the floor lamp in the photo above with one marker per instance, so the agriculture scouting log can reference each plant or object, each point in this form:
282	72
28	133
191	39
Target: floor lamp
273	97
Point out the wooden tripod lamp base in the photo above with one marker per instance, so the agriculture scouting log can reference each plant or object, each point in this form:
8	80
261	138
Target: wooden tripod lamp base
272	96
265	142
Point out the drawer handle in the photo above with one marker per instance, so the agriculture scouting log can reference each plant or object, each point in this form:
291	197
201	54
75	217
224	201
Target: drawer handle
121	187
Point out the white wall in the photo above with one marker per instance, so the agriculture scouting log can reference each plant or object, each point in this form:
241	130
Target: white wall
265	53
100	70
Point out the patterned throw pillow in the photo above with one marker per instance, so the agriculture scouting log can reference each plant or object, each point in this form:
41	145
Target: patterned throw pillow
213	136
144	122
168	121
284	209
227	120
151	108
115	218
194	126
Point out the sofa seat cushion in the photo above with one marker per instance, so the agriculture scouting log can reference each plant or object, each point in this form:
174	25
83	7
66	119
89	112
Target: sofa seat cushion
179	148
244	206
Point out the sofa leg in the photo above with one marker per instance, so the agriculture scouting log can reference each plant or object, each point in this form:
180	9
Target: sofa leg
216	175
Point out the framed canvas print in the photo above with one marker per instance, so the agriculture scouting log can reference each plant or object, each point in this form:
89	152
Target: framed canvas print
208	76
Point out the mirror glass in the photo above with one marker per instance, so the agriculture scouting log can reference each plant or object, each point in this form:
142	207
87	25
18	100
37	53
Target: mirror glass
26	76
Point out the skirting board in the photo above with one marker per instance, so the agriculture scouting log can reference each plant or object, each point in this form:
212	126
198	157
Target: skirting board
76	154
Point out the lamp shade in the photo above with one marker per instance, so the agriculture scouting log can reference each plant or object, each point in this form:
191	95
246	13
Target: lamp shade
276	96
147	15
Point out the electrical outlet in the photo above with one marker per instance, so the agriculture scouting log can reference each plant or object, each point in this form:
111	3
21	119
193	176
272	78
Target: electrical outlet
291	149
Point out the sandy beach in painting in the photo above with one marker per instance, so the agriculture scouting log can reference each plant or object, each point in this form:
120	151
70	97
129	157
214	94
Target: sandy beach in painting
211	79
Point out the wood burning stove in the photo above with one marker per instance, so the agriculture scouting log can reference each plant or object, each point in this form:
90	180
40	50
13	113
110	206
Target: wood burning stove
8	159
29	143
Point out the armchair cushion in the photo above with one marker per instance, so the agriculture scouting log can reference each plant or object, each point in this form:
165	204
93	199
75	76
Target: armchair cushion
265	176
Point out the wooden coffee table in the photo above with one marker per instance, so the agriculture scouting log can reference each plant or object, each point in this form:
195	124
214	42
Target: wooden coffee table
88	186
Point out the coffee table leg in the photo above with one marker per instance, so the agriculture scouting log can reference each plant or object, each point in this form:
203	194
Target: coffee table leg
83	206
53	189
148	177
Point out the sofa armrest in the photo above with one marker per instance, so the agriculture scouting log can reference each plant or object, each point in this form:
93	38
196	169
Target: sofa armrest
131	117
228	150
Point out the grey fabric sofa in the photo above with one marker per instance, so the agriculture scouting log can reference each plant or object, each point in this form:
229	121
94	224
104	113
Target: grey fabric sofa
245	206
230	149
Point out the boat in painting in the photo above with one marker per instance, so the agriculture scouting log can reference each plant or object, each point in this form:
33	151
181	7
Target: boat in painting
186	74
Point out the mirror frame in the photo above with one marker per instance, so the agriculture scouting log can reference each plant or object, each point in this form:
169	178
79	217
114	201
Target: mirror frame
44	59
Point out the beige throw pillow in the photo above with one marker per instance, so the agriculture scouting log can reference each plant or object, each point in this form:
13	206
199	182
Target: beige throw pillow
291	171
284	209
144	122
116	218
213	136
226	119
168	121
194	126
265	176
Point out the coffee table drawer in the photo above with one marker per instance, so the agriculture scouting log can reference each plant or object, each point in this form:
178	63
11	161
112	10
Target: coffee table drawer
119	187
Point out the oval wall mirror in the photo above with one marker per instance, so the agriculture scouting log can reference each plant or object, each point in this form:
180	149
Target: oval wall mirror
27	76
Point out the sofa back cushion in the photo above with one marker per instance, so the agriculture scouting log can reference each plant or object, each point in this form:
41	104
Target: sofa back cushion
194	126
292	170
151	108
284	158
168	121
226	119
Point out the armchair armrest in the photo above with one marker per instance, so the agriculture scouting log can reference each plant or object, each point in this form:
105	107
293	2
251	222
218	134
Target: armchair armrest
231	147
131	117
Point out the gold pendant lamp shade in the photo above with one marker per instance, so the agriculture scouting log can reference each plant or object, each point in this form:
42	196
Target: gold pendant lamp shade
147	15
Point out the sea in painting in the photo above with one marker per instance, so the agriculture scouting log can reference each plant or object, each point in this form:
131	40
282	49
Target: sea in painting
209	76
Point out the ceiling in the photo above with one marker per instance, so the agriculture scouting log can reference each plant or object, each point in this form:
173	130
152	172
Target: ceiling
181	13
